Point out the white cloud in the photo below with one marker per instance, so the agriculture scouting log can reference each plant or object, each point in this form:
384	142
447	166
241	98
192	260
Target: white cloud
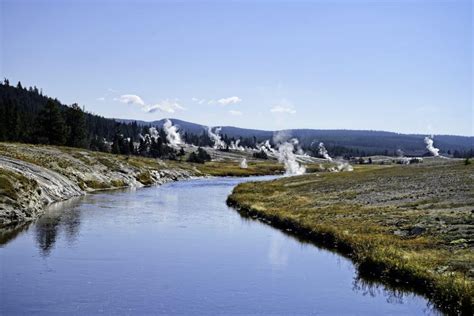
100	99
168	106
212	101
131	99
235	113
283	106
199	101
229	100
282	109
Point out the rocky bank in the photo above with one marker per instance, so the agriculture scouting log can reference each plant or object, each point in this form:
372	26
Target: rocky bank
32	177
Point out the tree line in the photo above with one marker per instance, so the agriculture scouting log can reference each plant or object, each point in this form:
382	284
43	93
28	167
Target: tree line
29	116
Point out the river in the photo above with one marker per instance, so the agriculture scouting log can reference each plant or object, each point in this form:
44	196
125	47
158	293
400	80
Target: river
178	249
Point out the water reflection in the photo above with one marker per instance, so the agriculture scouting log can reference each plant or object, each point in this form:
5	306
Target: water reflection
11	232
220	263
364	283
277	253
369	286
60	217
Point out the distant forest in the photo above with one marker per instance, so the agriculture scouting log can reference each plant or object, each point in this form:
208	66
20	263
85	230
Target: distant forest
29	116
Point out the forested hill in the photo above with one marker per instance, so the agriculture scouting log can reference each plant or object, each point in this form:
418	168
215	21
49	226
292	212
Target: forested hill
27	115
341	142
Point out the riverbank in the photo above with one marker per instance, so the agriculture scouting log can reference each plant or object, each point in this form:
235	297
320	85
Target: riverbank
410	225
34	176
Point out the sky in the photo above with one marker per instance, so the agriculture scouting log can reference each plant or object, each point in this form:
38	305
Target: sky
402	66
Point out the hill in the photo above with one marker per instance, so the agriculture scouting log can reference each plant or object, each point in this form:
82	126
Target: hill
363	141
23	119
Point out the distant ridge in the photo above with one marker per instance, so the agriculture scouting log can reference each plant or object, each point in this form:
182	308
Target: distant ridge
364	140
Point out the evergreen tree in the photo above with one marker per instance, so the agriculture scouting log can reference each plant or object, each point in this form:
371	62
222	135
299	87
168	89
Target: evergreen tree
200	156
50	124
76	122
131	147
155	147
116	146
144	146
260	155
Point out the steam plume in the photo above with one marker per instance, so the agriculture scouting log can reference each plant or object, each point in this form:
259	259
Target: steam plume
340	164
288	158
153	133
344	166
429	145
323	152
236	145
172	134
286	149
216	138
243	164
266	147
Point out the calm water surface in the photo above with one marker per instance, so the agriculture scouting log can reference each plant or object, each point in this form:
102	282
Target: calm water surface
178	249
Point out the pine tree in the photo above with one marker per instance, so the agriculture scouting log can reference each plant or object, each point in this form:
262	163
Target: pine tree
76	123
131	147
143	147
116	146
50	124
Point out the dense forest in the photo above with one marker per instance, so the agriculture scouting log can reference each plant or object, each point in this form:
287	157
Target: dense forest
29	116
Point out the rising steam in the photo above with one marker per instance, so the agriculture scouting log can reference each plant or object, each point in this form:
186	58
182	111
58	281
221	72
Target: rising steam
152	133
243	164
172	135
216	138
266	147
341	165
288	158
286	153
429	145
236	145
323	152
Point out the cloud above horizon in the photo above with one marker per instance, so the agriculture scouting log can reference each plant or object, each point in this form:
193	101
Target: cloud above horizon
282	109
283	106
229	100
167	105
130	99
222	101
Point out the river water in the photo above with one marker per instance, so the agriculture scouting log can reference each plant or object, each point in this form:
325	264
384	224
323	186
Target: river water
178	249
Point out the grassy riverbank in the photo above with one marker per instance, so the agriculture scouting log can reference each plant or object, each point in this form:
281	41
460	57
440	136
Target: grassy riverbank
406	224
32	176
61	158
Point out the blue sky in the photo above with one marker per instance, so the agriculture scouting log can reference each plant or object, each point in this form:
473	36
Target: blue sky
403	66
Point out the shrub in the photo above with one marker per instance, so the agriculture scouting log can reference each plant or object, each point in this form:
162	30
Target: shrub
200	157
260	155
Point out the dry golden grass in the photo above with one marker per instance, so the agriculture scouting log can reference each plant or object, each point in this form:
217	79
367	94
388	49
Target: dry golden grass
413	223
